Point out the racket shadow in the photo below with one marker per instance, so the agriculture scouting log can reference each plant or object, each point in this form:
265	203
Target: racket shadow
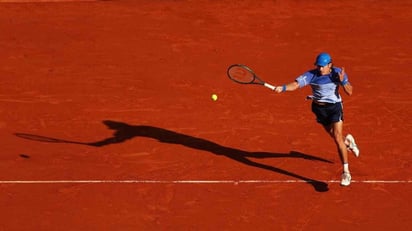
124	132
44	138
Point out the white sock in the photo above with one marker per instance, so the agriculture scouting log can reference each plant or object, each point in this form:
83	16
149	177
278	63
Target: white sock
346	167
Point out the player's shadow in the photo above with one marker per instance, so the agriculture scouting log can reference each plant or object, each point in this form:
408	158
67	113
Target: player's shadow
125	132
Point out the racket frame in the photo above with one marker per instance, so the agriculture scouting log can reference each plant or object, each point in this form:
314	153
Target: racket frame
255	79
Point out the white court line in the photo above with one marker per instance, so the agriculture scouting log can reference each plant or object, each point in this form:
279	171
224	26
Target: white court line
44	1
193	181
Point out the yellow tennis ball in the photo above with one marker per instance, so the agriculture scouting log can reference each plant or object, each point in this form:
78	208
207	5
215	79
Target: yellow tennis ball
214	97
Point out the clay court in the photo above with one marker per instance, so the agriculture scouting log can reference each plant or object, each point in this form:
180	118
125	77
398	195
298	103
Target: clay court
107	122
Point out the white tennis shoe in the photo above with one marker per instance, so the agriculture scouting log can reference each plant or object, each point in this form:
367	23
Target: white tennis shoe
346	178
350	142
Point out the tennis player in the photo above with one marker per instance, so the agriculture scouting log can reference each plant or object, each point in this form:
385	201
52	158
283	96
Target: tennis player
325	81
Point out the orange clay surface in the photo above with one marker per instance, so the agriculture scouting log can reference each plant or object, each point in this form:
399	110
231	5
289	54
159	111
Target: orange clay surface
93	94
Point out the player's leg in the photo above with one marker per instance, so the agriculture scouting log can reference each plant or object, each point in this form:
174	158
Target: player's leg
349	140
337	128
337	135
335	131
331	117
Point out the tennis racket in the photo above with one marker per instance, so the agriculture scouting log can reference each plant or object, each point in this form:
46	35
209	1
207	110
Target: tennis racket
242	74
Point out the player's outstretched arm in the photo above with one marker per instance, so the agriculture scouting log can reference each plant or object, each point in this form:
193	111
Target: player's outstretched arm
287	87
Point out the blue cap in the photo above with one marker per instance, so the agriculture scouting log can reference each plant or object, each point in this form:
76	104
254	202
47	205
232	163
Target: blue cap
323	59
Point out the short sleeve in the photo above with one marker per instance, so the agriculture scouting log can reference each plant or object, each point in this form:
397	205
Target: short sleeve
304	79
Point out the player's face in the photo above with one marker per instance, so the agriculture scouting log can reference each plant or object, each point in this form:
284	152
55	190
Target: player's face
325	69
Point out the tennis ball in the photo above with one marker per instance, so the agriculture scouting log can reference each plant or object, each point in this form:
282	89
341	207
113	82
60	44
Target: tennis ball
214	97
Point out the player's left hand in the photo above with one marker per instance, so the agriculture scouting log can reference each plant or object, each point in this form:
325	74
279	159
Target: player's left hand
342	74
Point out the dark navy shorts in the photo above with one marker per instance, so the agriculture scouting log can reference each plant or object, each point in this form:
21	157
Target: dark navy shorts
328	113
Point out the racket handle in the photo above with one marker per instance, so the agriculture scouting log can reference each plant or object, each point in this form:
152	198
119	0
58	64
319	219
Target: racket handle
269	86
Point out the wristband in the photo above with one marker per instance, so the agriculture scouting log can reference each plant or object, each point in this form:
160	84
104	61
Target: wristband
344	82
284	88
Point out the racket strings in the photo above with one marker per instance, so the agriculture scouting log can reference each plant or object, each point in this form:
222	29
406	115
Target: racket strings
240	74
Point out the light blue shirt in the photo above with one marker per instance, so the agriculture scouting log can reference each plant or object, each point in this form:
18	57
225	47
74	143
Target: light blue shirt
325	88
